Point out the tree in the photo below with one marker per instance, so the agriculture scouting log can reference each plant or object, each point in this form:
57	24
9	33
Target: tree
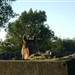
6	12
69	45
30	23
63	45
57	45
46	36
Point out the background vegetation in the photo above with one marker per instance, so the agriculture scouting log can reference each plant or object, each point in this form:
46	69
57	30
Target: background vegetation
30	23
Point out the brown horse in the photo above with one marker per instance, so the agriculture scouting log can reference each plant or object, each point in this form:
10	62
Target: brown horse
24	50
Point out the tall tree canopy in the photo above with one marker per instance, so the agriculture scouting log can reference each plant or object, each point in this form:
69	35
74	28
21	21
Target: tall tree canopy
6	12
30	23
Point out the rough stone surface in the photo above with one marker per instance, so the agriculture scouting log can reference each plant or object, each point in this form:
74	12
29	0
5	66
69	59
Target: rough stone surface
33	67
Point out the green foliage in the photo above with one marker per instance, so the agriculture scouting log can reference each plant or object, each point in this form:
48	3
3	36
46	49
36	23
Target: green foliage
6	12
69	45
30	23
57	45
33	23
1	47
46	36
63	45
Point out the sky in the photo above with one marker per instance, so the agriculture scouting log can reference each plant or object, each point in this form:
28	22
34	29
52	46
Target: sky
60	15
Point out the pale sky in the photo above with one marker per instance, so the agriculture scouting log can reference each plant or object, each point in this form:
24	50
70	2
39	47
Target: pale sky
60	14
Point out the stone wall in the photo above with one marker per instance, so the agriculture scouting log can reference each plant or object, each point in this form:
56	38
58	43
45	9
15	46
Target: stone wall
33	67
